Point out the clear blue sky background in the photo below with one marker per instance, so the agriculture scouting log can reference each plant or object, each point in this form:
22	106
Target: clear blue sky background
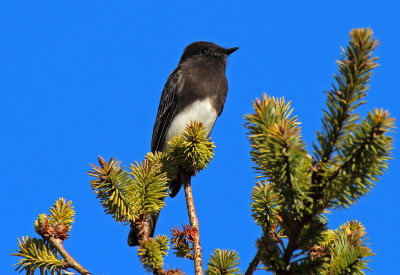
83	78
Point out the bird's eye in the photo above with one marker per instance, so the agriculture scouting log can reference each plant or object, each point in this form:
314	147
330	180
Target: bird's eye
204	51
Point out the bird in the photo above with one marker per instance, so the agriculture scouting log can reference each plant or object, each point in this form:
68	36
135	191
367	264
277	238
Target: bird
195	91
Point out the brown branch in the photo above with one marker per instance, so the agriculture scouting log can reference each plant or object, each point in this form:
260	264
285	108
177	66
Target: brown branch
162	271
159	271
70	262
254	264
194	222
291	247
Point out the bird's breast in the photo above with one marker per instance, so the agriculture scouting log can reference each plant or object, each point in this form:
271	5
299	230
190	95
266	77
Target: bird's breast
199	110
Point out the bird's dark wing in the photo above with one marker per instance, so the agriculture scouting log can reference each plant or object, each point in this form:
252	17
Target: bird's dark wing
167	108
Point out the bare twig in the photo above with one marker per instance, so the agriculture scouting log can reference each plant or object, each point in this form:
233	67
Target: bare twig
194	222
70	261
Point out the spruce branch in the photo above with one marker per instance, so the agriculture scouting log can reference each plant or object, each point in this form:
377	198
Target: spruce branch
44	253
133	197
364	156
223	262
38	254
58	223
279	152
344	250
270	253
265	205
192	151
165	162
355	70
151	254
113	187
349	158
163	242
287	159
149	186
61	218
340	119
54	228
280	155
183	240
311	234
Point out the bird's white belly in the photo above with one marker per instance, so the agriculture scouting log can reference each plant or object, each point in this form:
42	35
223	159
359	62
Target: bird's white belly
200	110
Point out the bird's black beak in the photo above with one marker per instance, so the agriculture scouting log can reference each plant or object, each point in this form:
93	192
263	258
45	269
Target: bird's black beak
231	50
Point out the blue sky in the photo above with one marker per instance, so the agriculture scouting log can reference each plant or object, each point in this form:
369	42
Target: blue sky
83	78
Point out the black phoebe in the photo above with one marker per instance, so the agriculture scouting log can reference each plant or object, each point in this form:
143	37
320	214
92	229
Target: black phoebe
195	91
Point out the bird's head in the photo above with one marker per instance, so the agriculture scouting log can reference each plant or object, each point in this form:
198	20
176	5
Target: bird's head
206	49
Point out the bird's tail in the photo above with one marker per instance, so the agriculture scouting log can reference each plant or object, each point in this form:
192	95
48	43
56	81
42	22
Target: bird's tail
133	237
174	187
